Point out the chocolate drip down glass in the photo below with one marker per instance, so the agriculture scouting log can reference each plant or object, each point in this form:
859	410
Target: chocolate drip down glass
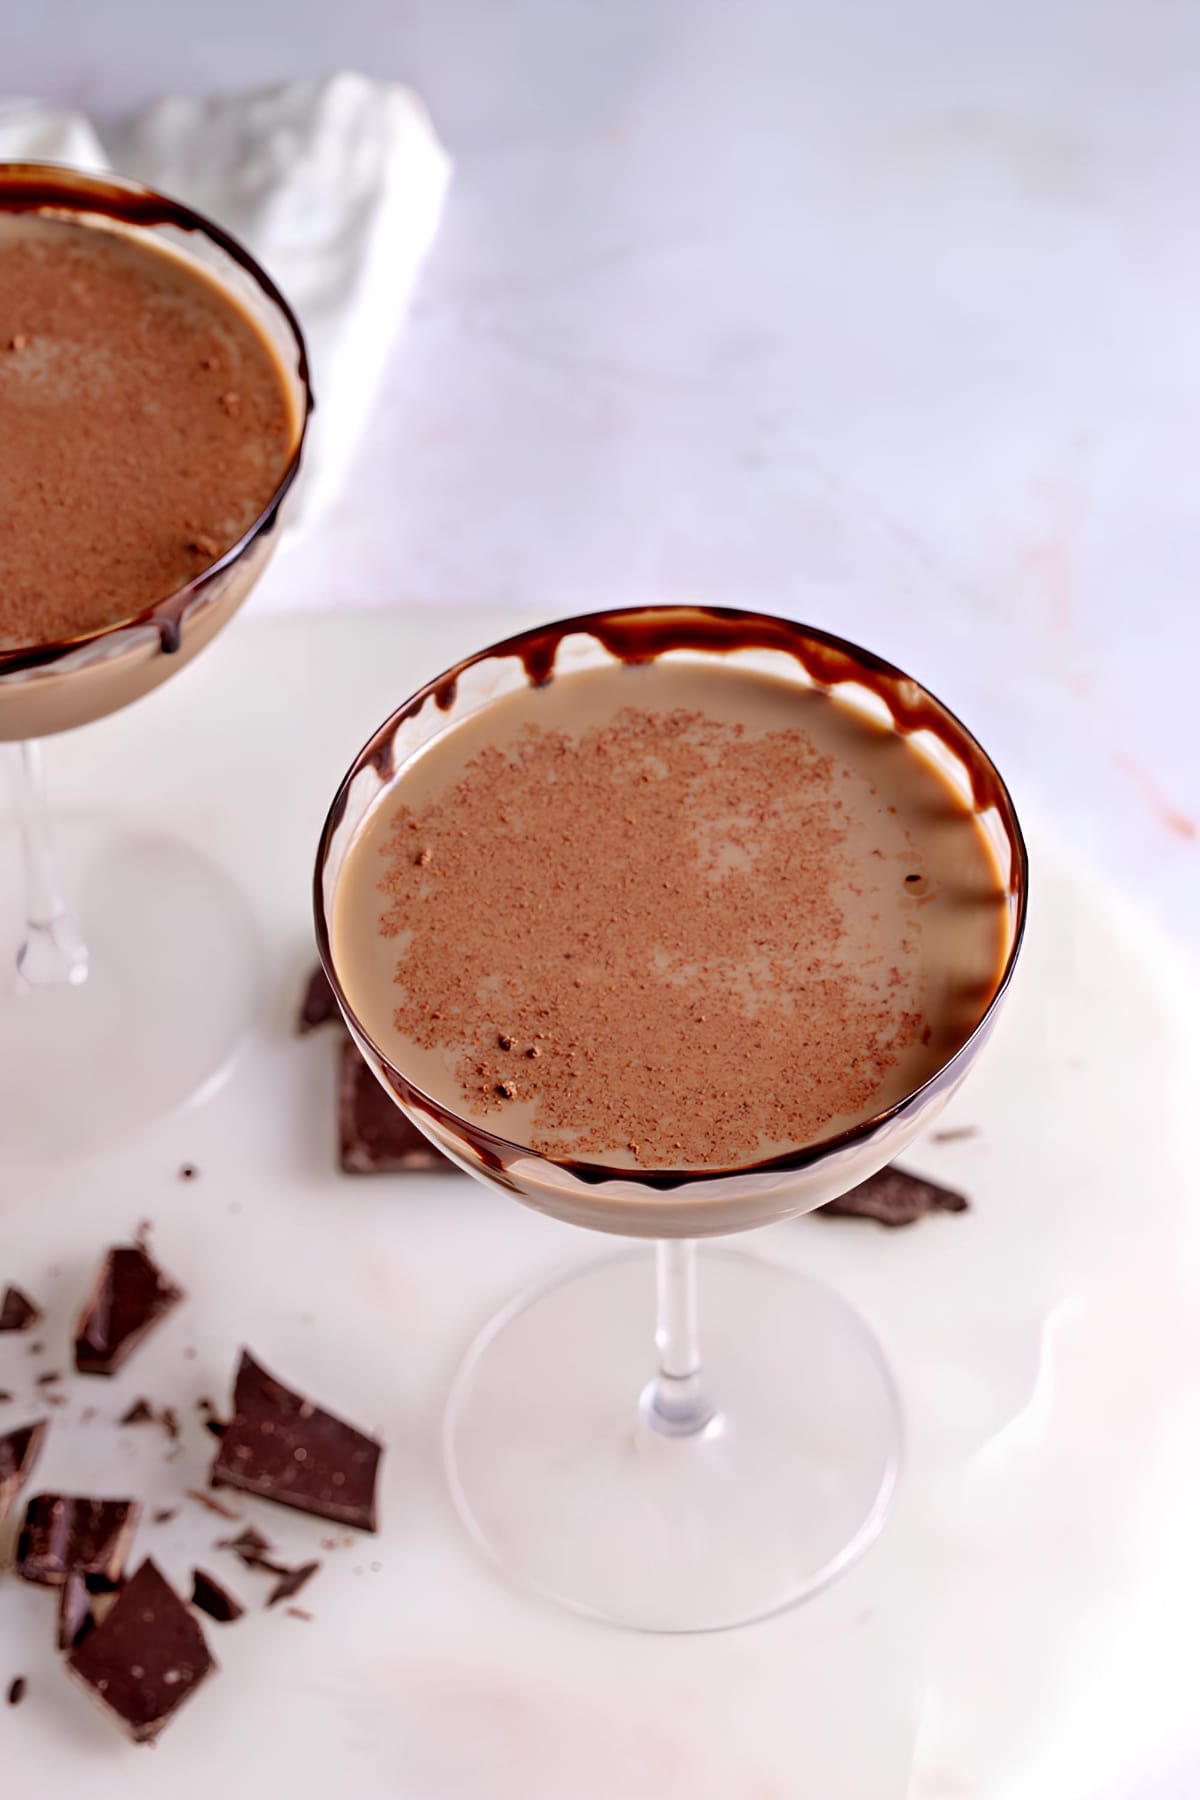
667	1439
135	964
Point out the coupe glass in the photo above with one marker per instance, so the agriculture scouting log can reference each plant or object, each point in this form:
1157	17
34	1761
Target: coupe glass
130	995
591	1449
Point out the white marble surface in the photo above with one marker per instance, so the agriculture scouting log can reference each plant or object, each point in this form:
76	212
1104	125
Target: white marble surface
882	315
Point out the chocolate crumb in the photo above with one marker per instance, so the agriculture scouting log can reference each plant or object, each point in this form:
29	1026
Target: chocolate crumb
17	1687
297	1612
231	404
504	1041
955	1134
914	878
188	1171
202	545
214	1599
217	1427
534	1050
423	858
38	1349
507	1090
17	1311
140	1413
18	341
165	1514
48	1378
5	1396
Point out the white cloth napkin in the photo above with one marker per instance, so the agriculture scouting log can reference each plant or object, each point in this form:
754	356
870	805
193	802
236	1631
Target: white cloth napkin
335	185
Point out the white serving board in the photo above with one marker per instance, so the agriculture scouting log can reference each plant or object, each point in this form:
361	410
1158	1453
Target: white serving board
1042	1345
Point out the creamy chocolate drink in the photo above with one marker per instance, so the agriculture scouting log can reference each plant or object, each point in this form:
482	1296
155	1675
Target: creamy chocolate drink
145	423
678	915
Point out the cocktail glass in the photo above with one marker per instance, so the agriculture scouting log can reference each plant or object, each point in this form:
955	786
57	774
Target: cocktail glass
591	1449
138	963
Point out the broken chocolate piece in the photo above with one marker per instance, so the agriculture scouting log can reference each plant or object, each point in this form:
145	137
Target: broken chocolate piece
215	1600
16	1690
319	1006
146	1658
283	1447
17	1311
894	1197
62	1535
18	1453
75	1615
291	1581
131	1294
376	1137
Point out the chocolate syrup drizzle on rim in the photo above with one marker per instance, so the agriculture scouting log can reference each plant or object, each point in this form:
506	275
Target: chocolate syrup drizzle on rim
46	187
638	635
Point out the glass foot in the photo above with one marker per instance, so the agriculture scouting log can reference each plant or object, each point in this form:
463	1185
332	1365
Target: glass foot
173	981
568	1487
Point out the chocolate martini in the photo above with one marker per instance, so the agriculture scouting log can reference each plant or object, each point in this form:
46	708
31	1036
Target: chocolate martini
680	915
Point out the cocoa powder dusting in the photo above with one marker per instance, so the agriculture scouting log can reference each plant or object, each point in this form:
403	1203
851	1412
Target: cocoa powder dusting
650	916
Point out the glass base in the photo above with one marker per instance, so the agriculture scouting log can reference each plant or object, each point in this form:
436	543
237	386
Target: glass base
175	979
567	1487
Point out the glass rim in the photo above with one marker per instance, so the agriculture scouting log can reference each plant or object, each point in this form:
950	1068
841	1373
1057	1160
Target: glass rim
57	188
708	626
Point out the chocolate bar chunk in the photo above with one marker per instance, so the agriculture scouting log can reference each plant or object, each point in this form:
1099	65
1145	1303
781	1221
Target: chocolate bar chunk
63	1535
283	1447
131	1294
18	1452
215	1600
894	1197
75	1616
146	1658
291	1581
376	1137
319	1006
17	1311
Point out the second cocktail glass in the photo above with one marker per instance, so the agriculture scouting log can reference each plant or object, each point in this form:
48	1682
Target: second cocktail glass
676	1442
138	962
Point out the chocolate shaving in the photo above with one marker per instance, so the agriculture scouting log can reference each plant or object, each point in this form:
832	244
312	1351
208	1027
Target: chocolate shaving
17	1311
955	1134
16	1690
281	1446
64	1534
319	1006
165	1514
131	1295
291	1581
250	1545
212	1503
146	1658
19	1450
75	1615
894	1197
215	1600
297	1612
376	1137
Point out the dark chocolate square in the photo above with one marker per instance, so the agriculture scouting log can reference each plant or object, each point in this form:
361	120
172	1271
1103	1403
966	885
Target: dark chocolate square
147	1657
283	1447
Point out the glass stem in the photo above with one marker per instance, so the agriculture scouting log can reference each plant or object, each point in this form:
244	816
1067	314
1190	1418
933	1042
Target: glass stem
53	953
675	1402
